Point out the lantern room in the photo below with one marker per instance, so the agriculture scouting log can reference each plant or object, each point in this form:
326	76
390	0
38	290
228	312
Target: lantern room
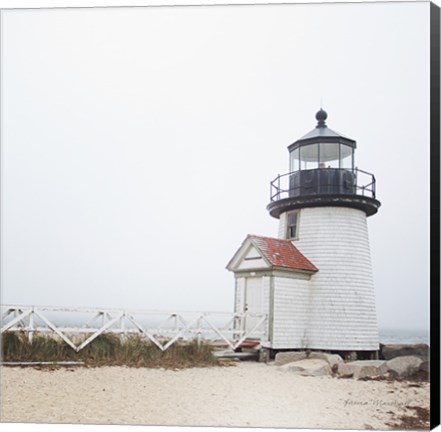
322	172
322	162
322	148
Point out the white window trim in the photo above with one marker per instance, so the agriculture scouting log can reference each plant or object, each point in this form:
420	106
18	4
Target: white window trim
296	237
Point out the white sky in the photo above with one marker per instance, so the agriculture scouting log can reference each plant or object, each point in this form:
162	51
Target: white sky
138	145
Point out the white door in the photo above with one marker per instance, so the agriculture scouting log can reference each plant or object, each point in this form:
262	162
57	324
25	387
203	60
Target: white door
253	301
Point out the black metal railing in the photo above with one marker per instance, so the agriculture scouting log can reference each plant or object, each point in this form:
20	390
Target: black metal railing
336	181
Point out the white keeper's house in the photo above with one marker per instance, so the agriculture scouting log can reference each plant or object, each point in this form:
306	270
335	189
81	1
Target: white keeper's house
314	282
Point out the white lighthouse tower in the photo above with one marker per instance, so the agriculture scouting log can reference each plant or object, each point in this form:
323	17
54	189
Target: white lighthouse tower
315	280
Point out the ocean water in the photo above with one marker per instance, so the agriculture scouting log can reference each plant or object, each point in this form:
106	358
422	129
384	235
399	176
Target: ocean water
401	336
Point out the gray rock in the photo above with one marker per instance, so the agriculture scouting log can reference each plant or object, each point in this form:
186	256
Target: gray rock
389	352
308	367
363	368
333	360
289	357
404	366
264	355
425	366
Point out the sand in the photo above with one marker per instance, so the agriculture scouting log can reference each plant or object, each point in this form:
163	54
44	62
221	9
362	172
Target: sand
248	394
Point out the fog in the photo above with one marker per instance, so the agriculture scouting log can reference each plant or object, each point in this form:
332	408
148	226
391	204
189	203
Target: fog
138	145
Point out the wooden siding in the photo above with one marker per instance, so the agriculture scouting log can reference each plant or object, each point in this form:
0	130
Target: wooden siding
282	226
333	309
291	308
239	294
266	304
252	259
342	303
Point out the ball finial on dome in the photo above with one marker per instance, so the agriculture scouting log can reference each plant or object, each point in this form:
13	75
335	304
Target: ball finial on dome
321	116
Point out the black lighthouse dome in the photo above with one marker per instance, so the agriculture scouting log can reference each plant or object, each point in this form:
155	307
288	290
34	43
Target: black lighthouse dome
321	116
322	172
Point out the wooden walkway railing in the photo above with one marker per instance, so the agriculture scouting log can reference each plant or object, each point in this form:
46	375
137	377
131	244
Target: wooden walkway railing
161	328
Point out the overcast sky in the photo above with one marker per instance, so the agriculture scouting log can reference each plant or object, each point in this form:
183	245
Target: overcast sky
138	145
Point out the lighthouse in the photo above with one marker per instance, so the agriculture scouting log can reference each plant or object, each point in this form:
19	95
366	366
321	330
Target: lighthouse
314	281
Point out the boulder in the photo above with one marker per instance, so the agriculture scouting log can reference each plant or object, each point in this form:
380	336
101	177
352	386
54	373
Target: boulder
289	357
388	352
404	366
363	368
333	360
425	366
308	367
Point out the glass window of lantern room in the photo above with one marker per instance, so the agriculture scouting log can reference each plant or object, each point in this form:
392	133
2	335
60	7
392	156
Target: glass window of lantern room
309	158
329	155
294	161
292	225
347	157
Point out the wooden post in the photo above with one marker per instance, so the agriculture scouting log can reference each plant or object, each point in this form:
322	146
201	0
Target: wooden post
122	335
198	339
31	327
122	324
264	355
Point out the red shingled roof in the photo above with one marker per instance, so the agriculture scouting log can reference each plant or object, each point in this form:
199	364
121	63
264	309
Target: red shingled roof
282	253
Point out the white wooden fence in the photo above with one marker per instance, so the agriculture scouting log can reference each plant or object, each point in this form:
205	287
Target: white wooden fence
161	328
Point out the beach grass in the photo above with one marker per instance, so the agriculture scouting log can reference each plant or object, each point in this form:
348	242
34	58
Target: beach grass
106	349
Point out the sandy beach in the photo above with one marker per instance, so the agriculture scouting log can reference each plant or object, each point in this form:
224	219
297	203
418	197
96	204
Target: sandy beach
247	394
